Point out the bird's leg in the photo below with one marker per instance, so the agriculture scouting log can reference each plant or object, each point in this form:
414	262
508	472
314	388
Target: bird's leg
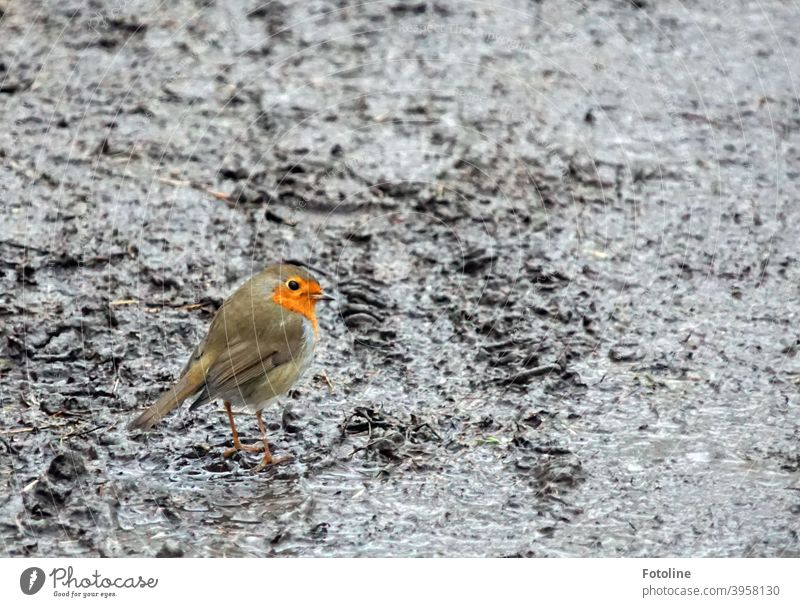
267	455
237	445
268	459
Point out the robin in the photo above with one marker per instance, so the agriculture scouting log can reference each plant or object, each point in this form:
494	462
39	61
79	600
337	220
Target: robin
260	342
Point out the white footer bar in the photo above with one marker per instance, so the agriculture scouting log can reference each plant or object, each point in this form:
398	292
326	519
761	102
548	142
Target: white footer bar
402	582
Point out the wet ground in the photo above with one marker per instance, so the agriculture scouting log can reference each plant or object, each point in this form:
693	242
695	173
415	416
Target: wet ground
563	238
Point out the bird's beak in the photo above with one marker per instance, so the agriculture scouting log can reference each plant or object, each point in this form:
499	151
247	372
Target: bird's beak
322	297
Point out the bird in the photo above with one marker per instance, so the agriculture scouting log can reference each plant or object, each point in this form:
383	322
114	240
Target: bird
259	344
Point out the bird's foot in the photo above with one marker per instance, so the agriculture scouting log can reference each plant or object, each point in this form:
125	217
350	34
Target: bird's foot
270	461
240	447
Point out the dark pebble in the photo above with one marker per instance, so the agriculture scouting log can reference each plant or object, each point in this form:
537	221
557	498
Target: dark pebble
66	466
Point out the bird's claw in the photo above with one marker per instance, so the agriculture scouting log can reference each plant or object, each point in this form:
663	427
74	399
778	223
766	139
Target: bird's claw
273	461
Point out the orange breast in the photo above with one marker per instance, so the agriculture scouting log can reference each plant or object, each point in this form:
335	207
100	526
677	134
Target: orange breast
300	303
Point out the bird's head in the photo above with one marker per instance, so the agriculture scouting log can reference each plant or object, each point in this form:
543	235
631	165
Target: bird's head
296	289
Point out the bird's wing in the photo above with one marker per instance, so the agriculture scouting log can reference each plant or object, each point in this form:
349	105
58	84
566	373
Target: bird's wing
251	352
238	364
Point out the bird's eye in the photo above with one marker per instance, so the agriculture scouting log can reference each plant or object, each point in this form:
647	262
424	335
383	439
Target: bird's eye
293	285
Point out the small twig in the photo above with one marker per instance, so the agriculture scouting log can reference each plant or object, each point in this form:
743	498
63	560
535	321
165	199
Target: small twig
18	431
196	186
30	485
272	216
157	306
25	247
327	380
191	307
32	429
82	433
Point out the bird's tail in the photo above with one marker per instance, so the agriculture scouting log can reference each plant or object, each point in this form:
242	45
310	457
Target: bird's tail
191	383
